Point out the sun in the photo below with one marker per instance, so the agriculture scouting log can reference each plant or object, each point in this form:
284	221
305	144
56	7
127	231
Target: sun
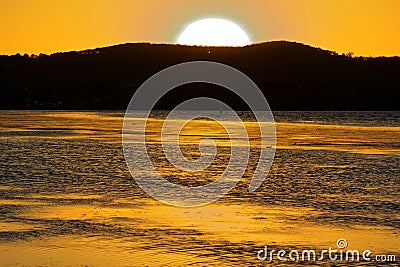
213	32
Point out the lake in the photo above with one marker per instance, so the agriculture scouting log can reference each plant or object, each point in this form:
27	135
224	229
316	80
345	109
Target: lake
67	197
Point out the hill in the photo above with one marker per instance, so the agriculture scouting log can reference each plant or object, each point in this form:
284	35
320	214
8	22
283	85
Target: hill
292	76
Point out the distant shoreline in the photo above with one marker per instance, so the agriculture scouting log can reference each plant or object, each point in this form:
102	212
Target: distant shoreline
291	76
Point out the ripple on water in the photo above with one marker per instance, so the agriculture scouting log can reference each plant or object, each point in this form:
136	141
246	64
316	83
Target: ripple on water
72	201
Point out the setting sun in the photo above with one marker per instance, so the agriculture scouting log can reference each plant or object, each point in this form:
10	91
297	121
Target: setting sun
214	32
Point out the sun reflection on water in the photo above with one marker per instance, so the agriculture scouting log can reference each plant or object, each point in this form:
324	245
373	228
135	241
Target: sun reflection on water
67	198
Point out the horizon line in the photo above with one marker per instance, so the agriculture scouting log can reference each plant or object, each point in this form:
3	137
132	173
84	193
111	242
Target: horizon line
348	54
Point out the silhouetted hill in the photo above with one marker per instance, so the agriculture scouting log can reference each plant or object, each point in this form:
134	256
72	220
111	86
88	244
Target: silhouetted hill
292	76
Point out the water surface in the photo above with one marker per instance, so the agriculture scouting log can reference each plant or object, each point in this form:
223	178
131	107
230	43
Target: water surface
67	197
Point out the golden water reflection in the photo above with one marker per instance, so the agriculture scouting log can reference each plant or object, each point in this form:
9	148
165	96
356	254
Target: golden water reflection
251	225
67	197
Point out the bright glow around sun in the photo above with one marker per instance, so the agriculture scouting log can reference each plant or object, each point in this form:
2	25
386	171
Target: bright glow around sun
214	32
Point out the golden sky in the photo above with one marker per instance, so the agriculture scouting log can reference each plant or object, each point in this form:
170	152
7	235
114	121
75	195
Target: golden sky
365	27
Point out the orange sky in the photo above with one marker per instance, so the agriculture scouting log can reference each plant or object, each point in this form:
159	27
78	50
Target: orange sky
365	27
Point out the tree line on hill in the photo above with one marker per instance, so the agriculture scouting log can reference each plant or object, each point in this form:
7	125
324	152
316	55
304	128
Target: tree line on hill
292	76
